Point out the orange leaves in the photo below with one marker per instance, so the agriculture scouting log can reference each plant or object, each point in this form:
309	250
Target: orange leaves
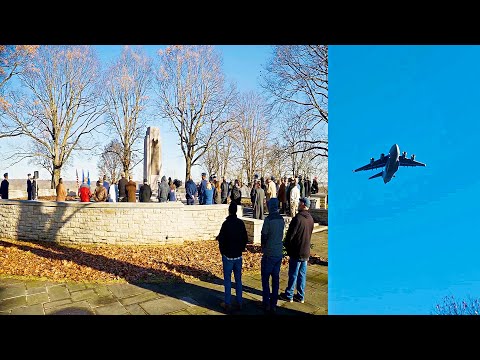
102	263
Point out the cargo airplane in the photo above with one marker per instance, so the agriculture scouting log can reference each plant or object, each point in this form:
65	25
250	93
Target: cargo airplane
391	161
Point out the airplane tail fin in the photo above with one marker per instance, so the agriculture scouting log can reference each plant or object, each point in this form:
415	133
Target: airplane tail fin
376	175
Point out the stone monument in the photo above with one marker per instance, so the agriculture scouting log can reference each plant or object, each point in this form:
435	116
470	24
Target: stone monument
152	157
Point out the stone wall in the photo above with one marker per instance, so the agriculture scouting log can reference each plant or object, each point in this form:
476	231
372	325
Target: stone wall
109	223
320	216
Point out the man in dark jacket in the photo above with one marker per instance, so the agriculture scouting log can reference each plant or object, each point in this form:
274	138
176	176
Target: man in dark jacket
145	192
122	188
4	187
29	187
224	190
190	191
308	187
297	244
272	249
163	190
203	187
236	194
232	241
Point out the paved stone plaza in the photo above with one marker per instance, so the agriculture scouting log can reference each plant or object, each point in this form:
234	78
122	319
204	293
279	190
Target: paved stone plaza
34	297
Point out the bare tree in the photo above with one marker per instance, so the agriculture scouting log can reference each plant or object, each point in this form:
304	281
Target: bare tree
251	132
110	162
192	94
14	59
61	107
298	75
126	84
219	156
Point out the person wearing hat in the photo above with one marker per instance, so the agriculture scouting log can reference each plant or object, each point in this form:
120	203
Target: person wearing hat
232	241
29	187
297	243
34	188
122	188
4	187
272	249
203	187
145	192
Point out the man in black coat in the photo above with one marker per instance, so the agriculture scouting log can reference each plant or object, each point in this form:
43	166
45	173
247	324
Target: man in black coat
4	187
232	241
122	188
297	244
224	190
29	187
145	192
190	191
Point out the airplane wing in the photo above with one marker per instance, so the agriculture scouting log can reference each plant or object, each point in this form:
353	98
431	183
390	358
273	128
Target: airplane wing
374	165
409	162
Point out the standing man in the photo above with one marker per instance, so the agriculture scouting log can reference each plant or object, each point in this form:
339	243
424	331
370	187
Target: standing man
106	184
163	190
61	191
4	187
100	193
34	188
131	189
122	188
203	187
294	198
271	189
282	195
145	192
272	249
258	212
29	187
232	241
297	244
190	190
224	190
236	194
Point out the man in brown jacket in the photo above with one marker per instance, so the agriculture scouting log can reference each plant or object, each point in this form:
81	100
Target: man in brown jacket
131	189
61	191
100	193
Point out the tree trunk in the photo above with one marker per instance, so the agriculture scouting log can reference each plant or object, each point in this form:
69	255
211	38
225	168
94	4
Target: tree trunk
188	168
55	176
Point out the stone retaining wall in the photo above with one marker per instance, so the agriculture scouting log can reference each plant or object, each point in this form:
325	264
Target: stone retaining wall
110	223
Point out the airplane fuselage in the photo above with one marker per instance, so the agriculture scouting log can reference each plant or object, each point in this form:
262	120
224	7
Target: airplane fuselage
392	164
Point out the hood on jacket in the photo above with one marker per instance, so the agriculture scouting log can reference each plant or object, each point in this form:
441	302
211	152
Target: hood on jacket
272	205
164	178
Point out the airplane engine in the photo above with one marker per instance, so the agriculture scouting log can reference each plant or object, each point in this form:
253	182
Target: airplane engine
413	157
372	160
404	154
382	156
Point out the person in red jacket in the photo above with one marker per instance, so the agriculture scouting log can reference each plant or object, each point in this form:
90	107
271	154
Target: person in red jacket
84	193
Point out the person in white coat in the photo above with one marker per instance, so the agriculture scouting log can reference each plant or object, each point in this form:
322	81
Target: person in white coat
294	199
113	192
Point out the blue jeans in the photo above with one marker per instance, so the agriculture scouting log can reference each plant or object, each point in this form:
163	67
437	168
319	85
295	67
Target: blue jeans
297	274
270	266
236	267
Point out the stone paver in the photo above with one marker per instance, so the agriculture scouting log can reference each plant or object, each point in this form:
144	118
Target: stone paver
76	308
36	309
83	294
102	290
12	291
97	301
37	299
37	290
135	309
163	306
72	287
111	309
56	303
58	293
12	303
125	290
135	299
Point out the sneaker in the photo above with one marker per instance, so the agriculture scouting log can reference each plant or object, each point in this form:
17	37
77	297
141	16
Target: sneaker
284	297
297	299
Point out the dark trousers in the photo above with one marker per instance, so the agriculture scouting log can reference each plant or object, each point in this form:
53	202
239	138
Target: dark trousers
284	207
190	201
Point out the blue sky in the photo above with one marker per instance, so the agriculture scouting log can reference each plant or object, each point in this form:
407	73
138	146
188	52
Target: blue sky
242	64
400	247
